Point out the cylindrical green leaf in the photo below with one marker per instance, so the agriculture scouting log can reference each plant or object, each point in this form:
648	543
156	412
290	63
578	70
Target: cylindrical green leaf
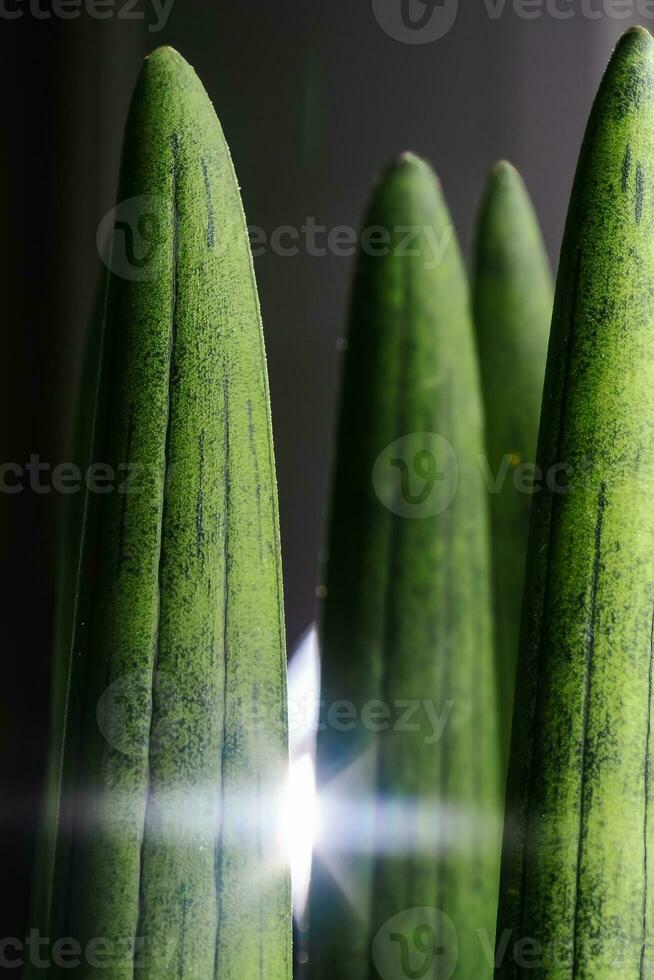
577	886
513	309
409	790
174	756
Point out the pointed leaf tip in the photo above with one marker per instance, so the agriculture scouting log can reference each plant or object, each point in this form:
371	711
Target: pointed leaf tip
504	171
408	157
409	166
623	111
638	32
164	51
407	162
636	42
168	97
166	70
504	179
167	58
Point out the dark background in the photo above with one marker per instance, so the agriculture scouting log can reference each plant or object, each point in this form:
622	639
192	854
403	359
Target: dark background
314	98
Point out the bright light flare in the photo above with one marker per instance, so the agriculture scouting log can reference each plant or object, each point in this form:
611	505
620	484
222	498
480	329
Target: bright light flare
300	821
300	828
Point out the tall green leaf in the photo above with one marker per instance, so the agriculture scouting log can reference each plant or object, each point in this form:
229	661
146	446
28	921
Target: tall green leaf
513	309
577	871
405	622
174	752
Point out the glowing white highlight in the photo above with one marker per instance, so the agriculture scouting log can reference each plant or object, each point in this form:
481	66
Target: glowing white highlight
301	806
